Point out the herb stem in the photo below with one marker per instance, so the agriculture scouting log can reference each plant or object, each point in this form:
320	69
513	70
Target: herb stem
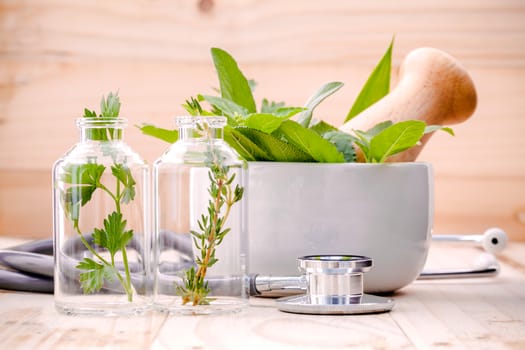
127	285
88	246
105	189
201	272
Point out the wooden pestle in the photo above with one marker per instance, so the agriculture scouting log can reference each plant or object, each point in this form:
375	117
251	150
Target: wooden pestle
433	87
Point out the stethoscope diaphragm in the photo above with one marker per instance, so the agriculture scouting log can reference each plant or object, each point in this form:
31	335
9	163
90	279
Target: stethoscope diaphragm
334	285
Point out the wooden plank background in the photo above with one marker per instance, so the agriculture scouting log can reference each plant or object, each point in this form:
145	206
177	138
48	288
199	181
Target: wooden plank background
59	56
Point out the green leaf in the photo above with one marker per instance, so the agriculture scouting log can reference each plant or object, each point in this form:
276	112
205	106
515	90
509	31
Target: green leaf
288	112
89	114
84	179
343	142
110	107
267	123
113	236
270	107
93	279
376	87
365	137
244	145
192	106
163	134
396	138
318	97
432	128
234	85
376	129
225	106
321	127
310	142
123	174
278	150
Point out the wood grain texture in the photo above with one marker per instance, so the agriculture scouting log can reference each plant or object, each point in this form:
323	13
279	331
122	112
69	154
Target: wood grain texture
481	313
58	56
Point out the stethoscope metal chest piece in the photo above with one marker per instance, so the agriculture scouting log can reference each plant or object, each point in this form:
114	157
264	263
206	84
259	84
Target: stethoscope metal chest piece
334	286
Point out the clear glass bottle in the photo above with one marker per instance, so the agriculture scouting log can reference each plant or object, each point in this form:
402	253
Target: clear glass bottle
101	224
200	226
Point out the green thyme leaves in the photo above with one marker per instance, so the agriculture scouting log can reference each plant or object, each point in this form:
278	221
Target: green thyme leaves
212	231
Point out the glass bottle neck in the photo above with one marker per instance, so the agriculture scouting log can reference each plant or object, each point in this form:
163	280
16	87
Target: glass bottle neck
200	127
101	129
100	134
186	133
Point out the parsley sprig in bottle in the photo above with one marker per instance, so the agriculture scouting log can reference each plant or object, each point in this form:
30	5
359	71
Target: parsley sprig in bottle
200	223
100	220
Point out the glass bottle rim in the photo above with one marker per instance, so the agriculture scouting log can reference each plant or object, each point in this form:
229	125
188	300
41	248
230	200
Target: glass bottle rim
102	122
189	121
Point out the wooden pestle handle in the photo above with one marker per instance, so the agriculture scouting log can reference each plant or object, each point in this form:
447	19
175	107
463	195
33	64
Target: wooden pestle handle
433	87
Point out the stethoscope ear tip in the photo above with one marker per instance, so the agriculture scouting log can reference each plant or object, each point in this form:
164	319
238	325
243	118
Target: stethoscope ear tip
494	240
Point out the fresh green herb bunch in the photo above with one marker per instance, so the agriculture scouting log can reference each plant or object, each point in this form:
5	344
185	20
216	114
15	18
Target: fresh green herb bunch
109	109
212	226
270	134
86	179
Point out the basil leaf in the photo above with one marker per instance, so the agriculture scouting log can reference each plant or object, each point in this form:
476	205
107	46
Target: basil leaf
267	123
234	85
163	134
309	142
394	139
318	97
278	150
376	87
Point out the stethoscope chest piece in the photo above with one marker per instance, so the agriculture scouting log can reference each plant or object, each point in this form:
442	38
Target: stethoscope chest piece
334	286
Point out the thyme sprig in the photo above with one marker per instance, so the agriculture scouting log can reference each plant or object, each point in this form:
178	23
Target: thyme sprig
212	226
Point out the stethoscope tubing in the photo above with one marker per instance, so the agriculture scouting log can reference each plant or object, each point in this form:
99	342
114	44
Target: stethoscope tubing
30	266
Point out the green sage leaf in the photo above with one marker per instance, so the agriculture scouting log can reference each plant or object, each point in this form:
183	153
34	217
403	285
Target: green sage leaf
343	142
319	96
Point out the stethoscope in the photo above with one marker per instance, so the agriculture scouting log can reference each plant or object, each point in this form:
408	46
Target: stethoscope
329	284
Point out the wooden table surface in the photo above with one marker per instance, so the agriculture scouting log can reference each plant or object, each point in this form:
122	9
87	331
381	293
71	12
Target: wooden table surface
481	313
